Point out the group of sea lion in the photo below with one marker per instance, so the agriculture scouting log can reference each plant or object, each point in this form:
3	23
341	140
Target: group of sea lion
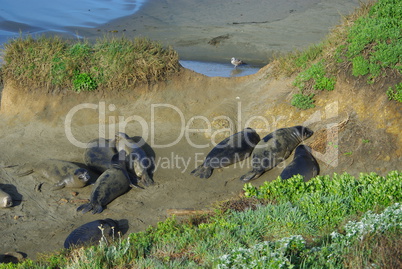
266	153
122	163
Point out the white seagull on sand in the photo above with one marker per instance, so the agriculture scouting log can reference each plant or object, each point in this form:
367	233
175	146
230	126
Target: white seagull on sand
236	62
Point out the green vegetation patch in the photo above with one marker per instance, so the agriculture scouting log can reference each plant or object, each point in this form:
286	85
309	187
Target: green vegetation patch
110	63
314	77
356	247
374	42
395	93
302	101
327	222
329	201
356	194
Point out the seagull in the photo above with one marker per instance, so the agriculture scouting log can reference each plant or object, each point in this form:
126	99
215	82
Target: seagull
236	62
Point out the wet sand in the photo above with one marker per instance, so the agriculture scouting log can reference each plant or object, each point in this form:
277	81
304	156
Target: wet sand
215	31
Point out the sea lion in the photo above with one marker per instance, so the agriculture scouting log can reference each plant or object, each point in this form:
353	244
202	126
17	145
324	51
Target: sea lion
90	233
111	184
274	148
5	199
62	173
303	164
99	153
137	160
12	257
232	149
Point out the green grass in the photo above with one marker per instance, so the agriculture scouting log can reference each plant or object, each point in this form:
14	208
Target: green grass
374	43
302	101
109	63
395	93
327	222
367	45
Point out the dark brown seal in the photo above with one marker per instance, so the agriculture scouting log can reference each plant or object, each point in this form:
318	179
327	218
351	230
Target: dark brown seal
303	164
92	232
61	173
137	160
98	154
232	149
111	184
275	148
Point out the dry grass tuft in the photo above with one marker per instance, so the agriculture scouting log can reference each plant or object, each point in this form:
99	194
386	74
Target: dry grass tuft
54	64
240	204
327	135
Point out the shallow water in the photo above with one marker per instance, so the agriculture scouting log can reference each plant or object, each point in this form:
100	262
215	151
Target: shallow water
212	69
38	16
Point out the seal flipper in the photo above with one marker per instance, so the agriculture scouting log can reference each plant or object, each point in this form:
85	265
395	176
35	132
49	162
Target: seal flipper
97	209
25	173
253	174
85	207
202	171
58	186
146	179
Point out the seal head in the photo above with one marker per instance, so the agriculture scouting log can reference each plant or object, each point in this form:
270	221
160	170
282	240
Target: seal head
5	199
137	160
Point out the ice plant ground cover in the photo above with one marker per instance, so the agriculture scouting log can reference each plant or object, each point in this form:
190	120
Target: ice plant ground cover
288	252
327	201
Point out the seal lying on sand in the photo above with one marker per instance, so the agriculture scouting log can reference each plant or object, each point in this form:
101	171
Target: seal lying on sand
98	154
62	173
91	233
274	148
232	149
303	164
5	199
137	159
111	184
12	257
